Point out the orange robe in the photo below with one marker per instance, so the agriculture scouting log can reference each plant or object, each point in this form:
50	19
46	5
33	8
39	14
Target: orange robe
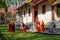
38	26
42	26
23	27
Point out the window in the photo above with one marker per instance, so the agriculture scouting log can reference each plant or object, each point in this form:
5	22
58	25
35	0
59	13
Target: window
58	10
43	9
24	13
29	11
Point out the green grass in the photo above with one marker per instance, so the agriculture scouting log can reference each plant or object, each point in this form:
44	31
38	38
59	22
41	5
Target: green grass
18	35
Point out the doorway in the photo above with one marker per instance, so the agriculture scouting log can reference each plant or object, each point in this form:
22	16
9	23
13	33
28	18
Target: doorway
58	10
35	14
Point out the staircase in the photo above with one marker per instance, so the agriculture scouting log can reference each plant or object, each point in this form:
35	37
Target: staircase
31	27
53	27
51	31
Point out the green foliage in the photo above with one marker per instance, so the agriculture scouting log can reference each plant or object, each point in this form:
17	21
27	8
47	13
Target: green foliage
9	13
3	3
13	19
18	35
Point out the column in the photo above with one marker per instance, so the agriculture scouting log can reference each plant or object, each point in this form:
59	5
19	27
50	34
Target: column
53	13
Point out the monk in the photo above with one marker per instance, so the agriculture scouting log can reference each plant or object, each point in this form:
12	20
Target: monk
43	26
37	25
10	27
23	27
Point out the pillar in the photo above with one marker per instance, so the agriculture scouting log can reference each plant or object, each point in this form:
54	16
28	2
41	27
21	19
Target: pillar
53	13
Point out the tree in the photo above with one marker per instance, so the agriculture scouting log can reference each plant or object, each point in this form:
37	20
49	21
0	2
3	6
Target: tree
4	6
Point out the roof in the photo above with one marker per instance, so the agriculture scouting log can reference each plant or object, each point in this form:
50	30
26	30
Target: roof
21	4
38	2
56	2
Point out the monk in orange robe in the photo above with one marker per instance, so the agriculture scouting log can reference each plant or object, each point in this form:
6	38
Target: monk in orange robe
43	26
38	28
23	27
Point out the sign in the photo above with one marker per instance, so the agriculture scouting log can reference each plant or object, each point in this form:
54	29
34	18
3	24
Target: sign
50	1
27	1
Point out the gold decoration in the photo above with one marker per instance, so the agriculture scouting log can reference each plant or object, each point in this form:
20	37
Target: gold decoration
50	1
27	1
31	3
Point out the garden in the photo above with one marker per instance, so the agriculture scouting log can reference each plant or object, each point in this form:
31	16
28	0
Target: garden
19	35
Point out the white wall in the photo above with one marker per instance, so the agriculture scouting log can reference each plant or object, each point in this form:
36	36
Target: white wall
30	18
24	18
17	18
55	13
47	16
27	18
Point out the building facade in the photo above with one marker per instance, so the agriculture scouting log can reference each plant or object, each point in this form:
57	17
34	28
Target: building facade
56	12
46	10
25	10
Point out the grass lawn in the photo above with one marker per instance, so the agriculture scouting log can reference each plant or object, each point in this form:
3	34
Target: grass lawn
18	35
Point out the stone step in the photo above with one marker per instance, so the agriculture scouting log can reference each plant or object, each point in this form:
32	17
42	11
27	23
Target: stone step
52	31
